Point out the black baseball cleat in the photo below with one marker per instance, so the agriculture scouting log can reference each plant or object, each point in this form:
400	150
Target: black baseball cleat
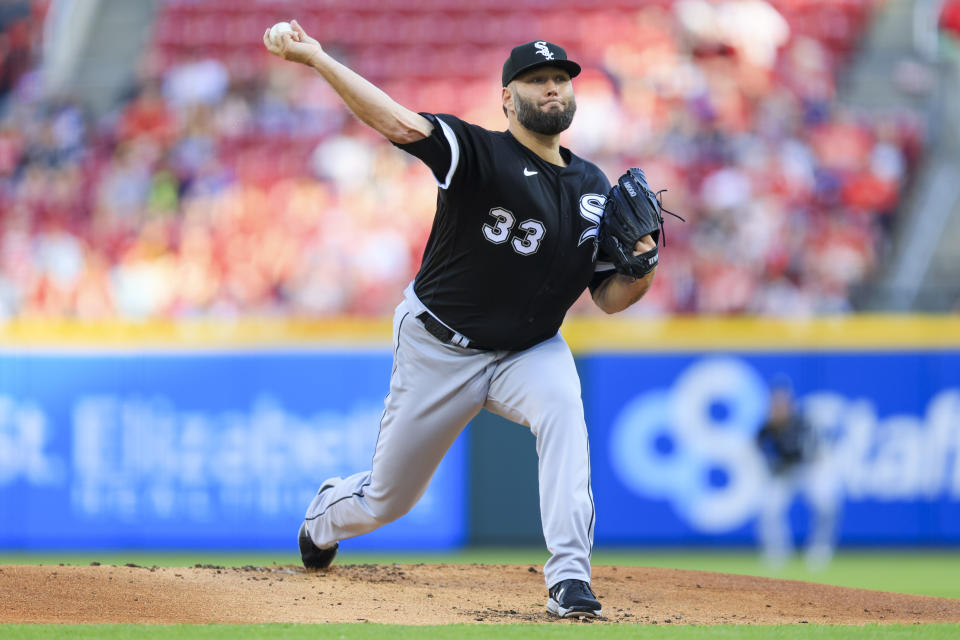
312	556
573	599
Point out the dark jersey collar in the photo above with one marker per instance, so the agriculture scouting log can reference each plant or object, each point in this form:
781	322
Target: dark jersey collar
569	157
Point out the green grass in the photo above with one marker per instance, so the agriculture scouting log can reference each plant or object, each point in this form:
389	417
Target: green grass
470	632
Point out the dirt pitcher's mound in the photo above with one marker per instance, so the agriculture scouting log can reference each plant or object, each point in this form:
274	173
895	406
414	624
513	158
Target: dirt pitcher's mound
432	594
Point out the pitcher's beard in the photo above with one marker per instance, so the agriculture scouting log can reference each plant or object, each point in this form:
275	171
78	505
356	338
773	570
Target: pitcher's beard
547	123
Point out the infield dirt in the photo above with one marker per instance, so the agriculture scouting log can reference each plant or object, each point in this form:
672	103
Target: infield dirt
432	594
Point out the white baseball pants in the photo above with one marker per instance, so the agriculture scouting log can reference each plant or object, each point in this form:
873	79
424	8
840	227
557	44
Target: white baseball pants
435	390
820	487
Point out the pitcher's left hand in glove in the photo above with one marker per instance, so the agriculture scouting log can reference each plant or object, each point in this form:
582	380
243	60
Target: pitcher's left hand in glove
632	211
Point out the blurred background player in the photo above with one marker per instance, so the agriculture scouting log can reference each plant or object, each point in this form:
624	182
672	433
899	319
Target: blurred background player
795	458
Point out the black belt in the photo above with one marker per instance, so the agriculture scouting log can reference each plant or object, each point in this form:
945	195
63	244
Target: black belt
440	331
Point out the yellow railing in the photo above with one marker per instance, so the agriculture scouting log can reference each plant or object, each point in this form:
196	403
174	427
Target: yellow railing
704	333
857	332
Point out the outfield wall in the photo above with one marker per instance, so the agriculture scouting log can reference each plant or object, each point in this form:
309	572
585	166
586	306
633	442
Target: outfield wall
217	434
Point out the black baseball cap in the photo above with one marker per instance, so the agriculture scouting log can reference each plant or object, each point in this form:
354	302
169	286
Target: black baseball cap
538	53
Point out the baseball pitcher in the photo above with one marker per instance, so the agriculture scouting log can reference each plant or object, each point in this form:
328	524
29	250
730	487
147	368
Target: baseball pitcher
522	227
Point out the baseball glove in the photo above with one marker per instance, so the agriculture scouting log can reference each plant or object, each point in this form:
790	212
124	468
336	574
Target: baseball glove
632	211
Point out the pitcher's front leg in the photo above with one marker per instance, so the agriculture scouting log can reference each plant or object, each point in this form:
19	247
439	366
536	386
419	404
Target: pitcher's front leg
435	389
540	388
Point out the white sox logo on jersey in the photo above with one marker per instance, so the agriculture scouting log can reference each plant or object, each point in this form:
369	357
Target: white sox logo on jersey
542	49
591	210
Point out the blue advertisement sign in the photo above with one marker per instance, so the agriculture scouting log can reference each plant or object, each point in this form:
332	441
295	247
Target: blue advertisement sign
675	458
218	450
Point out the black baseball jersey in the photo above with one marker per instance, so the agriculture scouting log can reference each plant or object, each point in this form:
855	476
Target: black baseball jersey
513	243
787	443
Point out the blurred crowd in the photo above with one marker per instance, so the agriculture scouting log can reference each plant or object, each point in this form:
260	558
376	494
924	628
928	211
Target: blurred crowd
232	183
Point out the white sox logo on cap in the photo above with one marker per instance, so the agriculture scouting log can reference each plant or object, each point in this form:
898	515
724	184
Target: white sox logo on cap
543	50
537	53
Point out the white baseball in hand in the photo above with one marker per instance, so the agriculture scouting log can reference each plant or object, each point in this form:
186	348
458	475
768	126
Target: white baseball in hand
277	30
